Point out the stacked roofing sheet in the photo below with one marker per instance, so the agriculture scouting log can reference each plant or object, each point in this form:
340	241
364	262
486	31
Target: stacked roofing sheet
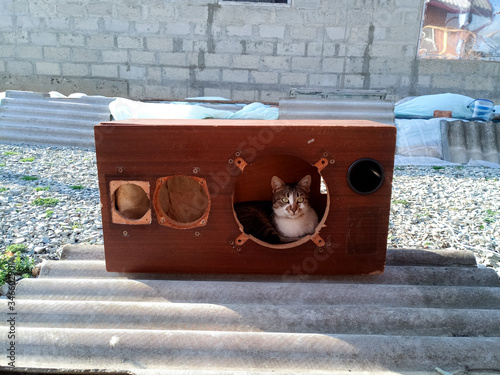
35	118
429	309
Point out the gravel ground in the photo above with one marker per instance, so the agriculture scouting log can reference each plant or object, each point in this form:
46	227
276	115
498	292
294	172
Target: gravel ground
432	207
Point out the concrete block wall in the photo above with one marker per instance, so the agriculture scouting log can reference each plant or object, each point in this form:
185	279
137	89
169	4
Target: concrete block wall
242	51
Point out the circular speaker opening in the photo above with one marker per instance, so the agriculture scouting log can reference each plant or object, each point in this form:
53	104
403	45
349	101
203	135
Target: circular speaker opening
182	201
131	201
365	176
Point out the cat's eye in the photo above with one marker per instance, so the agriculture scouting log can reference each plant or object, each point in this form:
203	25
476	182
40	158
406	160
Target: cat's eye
300	199
284	200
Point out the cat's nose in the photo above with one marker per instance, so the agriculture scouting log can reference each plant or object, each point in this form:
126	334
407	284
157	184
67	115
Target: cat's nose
293	208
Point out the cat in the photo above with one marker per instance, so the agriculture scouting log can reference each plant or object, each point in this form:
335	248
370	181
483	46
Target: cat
287	218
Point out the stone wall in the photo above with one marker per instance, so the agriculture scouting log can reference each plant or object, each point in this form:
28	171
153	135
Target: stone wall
242	51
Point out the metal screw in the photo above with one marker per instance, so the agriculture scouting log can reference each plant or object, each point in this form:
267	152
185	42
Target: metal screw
196	170
120	169
125	233
238	153
332	161
163	220
321	249
230	161
197	234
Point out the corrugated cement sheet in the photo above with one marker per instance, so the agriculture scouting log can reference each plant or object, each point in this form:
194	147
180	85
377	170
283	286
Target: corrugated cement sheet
470	140
339	109
429	309
36	118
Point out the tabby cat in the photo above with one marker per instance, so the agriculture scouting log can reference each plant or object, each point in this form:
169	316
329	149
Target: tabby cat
287	218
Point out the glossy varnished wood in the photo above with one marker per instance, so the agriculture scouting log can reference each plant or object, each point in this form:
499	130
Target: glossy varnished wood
352	235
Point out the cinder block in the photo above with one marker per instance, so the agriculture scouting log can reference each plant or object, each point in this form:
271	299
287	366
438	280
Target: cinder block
333	64
354	81
330	80
75	70
59	24
239	30
178	28
6	22
43	38
278	63
175	73
304	33
100	8
48	68
71	40
29	52
26	22
20	67
130	42
100	41
226	46
57	54
86	55
86	24
115	56
162	44
295	49
306	4
129	10
72	9
192	12
245	62
293	79
142	57
116	25
145	28
172	59
105	70
264	77
260	48
132	72
8	51
235	76
306	63
267	31
245	95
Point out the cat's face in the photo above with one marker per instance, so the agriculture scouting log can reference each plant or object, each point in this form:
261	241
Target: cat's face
290	201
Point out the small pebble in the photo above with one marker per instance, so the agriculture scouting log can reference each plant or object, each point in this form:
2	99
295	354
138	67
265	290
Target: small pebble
432	207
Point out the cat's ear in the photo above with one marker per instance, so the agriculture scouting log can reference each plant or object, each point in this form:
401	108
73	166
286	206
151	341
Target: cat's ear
277	184
305	183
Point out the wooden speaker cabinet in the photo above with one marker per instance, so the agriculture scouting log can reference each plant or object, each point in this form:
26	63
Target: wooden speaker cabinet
177	182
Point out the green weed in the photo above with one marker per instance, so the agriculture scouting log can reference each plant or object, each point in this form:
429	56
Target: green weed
10	153
404	202
27	160
13	262
42	188
46	202
2	189
29	178
49	213
77	187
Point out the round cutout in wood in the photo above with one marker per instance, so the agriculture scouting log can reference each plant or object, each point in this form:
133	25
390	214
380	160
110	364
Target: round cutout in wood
181	202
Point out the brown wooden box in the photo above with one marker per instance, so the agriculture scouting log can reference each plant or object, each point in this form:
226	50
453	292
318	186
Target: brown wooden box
186	175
